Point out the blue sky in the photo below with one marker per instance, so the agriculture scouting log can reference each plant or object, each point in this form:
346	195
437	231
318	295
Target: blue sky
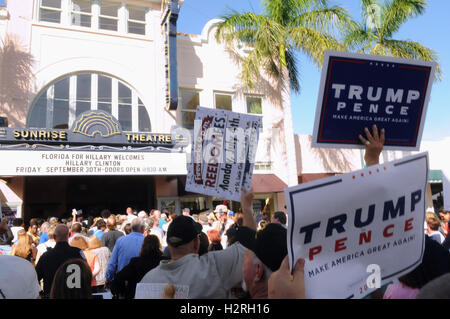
430	29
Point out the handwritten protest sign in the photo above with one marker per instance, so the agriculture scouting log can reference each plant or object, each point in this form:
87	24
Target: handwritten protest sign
223	152
358	90
347	225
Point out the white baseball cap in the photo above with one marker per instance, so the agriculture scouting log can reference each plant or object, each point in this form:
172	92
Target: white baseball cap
142	214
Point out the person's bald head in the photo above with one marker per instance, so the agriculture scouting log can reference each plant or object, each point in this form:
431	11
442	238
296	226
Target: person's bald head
61	233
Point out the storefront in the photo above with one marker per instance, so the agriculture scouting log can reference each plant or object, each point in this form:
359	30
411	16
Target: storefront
268	189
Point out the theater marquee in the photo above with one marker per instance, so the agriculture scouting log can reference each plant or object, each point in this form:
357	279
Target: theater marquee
58	163
95	145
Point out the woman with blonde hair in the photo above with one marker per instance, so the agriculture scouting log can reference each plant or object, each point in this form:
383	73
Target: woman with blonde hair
103	254
91	258
24	247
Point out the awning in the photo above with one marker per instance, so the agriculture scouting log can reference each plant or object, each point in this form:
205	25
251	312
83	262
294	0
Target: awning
7	195
267	183
435	176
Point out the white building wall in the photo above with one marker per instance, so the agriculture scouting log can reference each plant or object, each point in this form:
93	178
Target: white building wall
61	49
342	160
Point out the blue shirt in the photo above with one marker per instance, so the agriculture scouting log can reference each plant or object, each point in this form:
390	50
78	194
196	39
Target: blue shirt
99	234
44	238
126	248
161	223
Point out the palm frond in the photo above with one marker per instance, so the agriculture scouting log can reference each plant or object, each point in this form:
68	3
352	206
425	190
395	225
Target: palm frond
368	10
413	50
258	61
367	48
330	20
239	27
251	66
313	43
397	12
357	37
283	11
292	68
379	49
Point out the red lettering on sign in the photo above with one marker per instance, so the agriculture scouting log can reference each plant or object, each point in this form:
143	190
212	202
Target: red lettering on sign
366	237
408	224
385	233
212	169
314	251
340	244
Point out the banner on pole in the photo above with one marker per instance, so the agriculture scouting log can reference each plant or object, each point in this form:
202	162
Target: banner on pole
359	90
359	230
223	152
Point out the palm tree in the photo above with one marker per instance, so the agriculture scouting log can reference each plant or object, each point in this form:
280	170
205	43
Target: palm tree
375	35
309	26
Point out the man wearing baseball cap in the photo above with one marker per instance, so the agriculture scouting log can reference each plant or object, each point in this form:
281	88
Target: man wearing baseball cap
223	223
266	250
211	275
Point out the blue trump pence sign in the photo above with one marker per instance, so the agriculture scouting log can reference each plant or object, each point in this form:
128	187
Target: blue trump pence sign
358	90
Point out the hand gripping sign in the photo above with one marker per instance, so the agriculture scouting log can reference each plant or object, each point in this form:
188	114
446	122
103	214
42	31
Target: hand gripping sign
223	152
343	225
359	90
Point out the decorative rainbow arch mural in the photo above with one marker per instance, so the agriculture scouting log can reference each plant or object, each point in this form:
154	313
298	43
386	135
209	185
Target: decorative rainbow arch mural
96	122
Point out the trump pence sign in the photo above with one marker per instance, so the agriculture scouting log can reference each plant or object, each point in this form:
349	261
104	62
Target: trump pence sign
358	90
348	225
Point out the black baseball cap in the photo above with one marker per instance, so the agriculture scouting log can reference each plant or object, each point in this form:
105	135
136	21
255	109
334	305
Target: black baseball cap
268	244
182	230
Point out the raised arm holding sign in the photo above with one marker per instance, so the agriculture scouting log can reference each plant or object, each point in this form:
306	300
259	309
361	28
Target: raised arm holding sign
374	145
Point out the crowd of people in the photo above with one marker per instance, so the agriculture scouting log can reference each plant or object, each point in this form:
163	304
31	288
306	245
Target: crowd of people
116	252
217	254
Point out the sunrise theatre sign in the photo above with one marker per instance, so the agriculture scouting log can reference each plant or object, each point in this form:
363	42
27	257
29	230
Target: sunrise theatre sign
94	145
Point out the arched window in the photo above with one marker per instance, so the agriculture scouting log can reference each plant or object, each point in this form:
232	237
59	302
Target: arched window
61	102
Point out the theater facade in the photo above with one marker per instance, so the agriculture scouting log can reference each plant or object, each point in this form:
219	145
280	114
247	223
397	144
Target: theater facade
95	97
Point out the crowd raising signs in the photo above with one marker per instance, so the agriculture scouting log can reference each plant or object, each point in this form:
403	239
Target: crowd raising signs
223	152
346	226
359	90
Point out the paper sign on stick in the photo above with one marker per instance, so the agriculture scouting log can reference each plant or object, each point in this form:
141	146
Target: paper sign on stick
223	152
359	90
345	226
